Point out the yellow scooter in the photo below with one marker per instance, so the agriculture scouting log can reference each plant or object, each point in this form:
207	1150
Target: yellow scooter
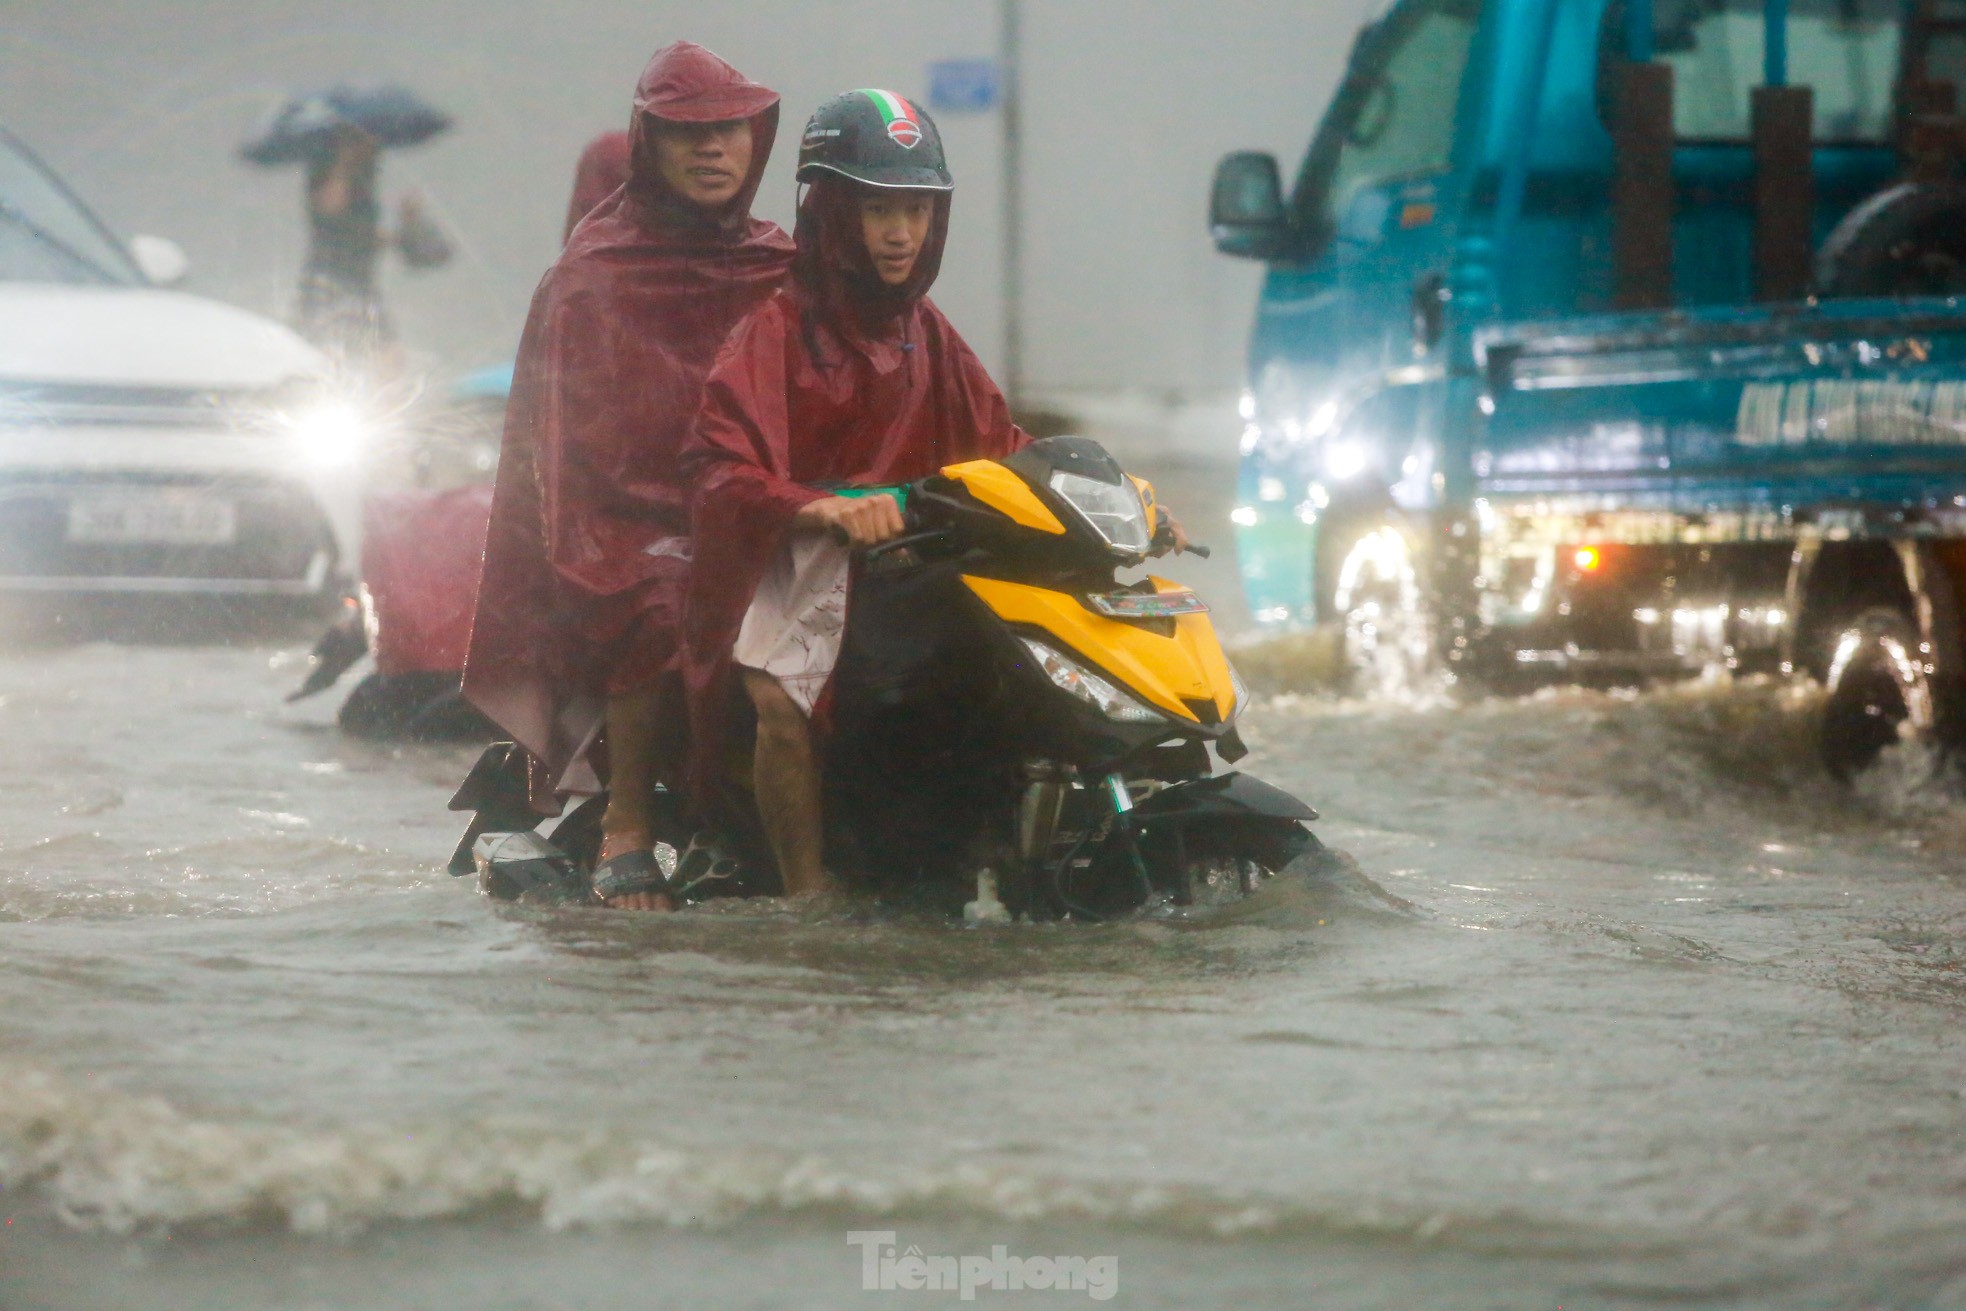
1004	706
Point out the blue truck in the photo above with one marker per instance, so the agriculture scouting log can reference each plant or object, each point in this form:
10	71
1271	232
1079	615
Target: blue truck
1612	339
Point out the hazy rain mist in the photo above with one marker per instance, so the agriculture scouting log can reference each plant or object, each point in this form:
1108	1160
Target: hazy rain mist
1127	105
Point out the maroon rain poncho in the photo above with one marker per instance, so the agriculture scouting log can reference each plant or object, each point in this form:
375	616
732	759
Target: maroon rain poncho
602	169
584	563
838	378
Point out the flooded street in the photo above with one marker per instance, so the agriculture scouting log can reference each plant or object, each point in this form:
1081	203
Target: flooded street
1607	341
1620	1005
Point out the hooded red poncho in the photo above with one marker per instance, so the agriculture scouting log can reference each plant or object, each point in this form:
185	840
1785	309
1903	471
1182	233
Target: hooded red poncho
838	378
602	169
585	560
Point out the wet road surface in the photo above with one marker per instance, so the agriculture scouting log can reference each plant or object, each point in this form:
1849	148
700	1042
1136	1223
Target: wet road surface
1618	1003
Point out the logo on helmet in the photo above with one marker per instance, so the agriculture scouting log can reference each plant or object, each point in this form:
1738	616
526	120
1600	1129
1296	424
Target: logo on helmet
903	127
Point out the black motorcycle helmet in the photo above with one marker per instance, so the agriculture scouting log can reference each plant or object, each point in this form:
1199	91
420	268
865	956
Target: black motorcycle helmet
877	138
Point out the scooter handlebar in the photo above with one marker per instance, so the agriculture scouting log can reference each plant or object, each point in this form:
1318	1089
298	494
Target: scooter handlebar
1164	539
909	520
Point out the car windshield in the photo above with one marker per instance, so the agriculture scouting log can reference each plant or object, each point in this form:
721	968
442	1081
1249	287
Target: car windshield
45	233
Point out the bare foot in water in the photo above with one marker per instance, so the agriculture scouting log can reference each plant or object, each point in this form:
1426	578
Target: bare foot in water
827	889
621	844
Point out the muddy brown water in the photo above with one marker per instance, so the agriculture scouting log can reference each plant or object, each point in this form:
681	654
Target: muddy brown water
1617	1004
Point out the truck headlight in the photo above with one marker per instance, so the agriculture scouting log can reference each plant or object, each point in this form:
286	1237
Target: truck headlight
1345	460
1089	687
1115	513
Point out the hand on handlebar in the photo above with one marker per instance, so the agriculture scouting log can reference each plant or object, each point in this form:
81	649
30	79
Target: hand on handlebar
855	521
1169	535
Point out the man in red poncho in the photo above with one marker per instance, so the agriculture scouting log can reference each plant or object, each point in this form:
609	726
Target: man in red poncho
582	592
849	375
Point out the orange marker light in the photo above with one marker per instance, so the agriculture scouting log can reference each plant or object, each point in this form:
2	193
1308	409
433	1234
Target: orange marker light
1588	559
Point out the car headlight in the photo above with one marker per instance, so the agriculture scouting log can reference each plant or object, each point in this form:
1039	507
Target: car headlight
331	434
1089	687
1115	513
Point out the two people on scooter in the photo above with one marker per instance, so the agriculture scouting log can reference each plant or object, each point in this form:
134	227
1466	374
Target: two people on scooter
581	598
596	569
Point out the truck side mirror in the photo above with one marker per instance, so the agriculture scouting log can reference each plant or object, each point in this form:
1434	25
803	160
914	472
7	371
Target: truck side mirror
1245	208
1431	298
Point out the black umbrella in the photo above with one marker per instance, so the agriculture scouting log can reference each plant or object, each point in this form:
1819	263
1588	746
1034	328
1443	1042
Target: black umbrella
304	127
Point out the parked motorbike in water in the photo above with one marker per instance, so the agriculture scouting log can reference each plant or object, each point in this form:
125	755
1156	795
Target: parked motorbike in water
422	547
1014	731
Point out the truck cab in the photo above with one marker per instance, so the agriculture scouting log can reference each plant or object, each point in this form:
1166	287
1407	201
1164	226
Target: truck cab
1619	338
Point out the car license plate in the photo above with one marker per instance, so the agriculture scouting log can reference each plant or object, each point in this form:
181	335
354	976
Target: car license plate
169	518
1147	605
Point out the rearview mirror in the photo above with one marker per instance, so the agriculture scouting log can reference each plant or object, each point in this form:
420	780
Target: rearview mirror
160	260
1245	209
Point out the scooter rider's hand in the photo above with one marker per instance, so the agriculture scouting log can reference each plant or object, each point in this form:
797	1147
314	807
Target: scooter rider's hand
1169	535
855	521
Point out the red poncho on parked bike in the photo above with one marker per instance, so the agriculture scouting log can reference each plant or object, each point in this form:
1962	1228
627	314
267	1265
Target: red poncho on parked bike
589	543
602	169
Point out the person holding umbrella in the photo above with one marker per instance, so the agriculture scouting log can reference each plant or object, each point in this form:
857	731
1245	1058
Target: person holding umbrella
339	136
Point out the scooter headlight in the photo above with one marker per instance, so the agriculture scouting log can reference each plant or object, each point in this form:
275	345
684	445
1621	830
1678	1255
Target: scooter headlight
1089	687
1115	513
1240	690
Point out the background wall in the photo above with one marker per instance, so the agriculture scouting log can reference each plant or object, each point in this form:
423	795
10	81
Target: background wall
140	104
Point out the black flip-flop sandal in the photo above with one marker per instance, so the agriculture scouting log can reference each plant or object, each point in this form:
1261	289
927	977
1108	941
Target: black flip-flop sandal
636	871
706	868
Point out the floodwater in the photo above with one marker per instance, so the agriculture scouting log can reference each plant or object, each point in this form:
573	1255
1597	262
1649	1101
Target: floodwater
1617	1003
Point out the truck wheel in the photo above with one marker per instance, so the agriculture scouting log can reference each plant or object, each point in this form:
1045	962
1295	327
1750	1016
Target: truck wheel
1388	635
1909	240
1879	694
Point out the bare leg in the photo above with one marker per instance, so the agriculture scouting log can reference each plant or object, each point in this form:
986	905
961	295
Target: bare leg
787	782
631	780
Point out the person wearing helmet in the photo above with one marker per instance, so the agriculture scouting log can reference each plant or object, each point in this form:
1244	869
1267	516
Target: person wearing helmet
849	375
582	591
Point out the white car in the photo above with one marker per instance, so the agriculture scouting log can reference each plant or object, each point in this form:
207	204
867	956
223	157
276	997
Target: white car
153	441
